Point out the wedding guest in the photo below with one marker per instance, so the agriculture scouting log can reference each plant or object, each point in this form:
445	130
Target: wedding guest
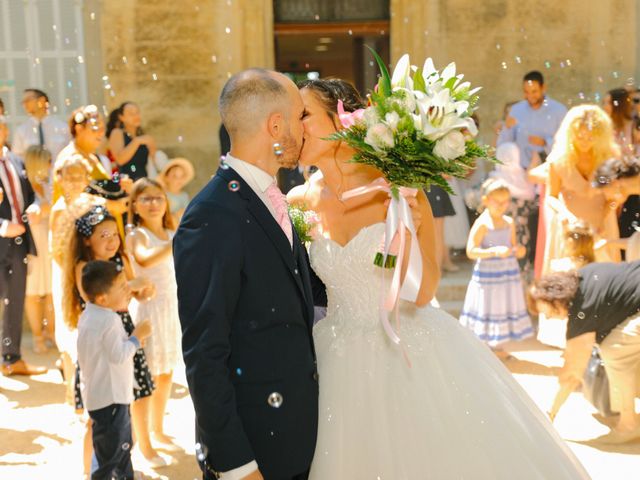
456	228
523	196
602	304
494	305
72	176
129	146
105	354
617	103
17	210
151	249
96	238
501	124
442	207
41	128
38	302
176	175
87	133
584	141
532	124
620	108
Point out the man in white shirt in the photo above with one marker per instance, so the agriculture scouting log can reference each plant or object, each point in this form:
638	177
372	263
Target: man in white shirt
105	359
41	128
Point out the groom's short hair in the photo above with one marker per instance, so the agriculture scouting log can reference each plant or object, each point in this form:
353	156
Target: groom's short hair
248	97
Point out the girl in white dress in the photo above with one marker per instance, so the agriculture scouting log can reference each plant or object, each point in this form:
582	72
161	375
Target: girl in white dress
150	247
456	412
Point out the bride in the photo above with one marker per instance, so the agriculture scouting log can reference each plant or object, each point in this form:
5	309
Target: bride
456	412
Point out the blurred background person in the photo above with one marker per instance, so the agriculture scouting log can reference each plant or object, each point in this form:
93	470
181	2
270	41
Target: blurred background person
41	129
619	105
174	176
130	148
522	191
17	209
38	302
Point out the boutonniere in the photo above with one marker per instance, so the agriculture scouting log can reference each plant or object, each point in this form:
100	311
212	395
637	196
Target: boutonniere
305	222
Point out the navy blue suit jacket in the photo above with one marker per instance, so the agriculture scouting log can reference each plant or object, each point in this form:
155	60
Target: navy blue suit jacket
246	309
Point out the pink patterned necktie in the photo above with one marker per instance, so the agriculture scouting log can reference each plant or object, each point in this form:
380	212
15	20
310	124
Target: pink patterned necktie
279	203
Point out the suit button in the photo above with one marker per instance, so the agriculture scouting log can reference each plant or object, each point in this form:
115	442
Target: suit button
316	377
295	271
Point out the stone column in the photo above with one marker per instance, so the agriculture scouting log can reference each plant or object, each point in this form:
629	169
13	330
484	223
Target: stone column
172	58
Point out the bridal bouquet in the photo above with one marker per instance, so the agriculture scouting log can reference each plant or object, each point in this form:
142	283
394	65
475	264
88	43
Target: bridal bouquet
417	130
418	127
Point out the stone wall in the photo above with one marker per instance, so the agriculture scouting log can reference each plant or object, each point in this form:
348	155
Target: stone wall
583	47
172	58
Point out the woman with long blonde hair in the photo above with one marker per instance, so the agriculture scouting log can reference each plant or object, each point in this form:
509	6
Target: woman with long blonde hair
584	141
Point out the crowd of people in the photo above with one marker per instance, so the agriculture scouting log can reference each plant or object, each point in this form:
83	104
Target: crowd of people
78	196
89	209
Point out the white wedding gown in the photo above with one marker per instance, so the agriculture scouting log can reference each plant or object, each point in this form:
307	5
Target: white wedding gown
456	413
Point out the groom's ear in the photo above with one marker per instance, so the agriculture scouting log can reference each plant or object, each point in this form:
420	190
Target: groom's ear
275	124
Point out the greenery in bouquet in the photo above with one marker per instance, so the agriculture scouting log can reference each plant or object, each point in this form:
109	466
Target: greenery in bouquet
418	128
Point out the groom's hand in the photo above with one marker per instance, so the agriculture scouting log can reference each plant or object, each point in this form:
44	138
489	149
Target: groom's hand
254	476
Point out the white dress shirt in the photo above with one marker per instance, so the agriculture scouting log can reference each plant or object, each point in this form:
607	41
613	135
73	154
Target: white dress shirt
258	180
105	357
4	223
55	131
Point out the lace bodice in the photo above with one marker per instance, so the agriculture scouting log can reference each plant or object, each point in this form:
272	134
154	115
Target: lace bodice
351	278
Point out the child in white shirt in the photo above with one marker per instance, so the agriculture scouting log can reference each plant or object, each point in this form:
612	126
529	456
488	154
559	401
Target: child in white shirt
105	356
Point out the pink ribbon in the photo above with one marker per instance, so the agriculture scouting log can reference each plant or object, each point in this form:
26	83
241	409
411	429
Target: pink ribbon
399	220
349	119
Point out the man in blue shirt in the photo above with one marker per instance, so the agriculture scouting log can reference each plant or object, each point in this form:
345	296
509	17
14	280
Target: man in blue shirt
533	122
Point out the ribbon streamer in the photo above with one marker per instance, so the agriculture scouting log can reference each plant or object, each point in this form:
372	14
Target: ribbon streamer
399	220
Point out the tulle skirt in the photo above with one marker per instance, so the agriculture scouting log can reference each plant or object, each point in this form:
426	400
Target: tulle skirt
456	413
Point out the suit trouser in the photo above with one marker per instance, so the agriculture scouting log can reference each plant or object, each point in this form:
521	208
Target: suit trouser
112	442
13	283
620	351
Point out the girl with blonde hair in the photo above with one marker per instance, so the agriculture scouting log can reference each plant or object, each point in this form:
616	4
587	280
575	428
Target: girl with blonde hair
38	302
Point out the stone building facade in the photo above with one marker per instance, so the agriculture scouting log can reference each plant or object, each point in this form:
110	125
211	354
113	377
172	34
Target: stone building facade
173	57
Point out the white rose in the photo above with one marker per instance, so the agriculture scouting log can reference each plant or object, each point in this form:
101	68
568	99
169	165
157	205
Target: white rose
451	146
392	119
379	136
371	117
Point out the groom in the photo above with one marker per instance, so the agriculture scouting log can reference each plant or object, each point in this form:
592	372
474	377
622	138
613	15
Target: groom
246	297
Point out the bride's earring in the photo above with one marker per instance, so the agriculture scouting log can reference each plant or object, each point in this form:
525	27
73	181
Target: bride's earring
277	149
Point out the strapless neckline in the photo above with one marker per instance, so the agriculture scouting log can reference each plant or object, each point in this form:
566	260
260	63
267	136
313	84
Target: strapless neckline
352	239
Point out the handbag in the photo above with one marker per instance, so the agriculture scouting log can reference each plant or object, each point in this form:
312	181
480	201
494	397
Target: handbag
595	384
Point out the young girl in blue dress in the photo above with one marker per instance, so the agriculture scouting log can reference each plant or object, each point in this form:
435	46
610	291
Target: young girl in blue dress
494	306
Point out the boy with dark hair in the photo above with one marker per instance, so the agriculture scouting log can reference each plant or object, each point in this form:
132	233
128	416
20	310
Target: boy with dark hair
105	357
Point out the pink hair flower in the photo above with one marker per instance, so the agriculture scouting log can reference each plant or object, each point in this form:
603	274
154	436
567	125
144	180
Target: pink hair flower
349	119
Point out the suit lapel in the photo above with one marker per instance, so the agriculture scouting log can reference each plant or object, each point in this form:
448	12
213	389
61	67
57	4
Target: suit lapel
263	217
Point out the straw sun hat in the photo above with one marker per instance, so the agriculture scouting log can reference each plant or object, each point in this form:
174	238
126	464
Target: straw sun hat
179	162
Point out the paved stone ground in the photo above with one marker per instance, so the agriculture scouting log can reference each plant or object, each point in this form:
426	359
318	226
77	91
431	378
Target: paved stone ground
40	435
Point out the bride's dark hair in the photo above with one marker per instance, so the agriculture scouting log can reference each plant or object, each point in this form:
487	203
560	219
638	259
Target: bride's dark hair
330	90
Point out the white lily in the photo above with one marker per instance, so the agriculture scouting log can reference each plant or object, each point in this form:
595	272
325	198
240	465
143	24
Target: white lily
402	73
440	115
